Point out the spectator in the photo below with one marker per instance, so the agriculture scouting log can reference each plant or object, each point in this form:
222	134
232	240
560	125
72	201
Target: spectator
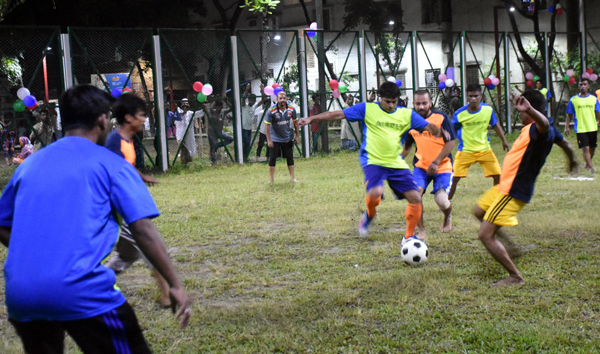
315	127
8	145
26	150
185	134
260	118
217	118
42	131
349	129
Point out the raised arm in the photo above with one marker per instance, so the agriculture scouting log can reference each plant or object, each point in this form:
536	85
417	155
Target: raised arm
325	116
522	105
568	150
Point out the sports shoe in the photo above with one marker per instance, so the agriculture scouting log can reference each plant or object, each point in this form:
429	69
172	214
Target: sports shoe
406	239
363	225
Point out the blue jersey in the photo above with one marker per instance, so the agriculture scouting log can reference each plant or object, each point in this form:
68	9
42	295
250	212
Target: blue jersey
62	206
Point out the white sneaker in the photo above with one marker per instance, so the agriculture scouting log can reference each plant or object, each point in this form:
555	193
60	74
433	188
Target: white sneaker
405	239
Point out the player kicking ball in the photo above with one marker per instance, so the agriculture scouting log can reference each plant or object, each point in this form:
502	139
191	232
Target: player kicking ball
500	204
433	159
383	125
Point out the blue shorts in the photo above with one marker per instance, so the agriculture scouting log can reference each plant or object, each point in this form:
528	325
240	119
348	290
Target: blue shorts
399	180
440	180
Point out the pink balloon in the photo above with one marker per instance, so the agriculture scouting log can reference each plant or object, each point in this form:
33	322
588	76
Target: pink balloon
529	76
570	72
593	77
585	75
495	81
268	90
336	93
442	78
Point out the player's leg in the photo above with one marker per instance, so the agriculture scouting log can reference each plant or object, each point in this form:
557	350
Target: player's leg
403	185
479	211
374	176
497	250
490	165
442	183
40	336
262	139
115	331
273	160
288	154
462	162
126	253
422	180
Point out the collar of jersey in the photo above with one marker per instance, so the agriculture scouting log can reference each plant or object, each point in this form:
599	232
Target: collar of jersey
480	107
579	95
385	110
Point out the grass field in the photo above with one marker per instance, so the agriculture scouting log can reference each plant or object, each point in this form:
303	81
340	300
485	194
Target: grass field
281	268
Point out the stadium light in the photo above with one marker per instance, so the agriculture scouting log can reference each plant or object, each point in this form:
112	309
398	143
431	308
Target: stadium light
391	23
277	37
512	9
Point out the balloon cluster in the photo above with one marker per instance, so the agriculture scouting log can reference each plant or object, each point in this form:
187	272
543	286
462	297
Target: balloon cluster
273	91
531	79
568	77
311	34
445	81
589	74
491	82
116	93
338	88
394	80
26	100
204	90
559	10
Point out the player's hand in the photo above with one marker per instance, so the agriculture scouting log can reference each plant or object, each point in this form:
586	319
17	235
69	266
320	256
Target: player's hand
297	139
432	169
270	144
521	103
150	180
304	121
505	145
181	306
567	129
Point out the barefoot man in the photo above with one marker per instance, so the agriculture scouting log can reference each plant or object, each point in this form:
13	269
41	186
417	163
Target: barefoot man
279	122
433	159
500	204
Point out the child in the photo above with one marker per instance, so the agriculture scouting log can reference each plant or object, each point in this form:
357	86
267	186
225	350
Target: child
9	146
26	150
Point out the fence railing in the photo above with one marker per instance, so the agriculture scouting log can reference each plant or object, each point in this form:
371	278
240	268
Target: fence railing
225	124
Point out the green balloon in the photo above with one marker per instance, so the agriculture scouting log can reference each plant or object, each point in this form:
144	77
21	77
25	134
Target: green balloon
342	88
201	97
536	78
566	78
19	106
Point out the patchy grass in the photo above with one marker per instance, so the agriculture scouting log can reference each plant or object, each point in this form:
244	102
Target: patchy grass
281	269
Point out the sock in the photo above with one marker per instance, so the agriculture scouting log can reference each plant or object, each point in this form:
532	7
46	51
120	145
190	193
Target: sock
372	203
413	215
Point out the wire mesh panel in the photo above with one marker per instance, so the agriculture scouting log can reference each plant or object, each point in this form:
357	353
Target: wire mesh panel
593	48
30	58
485	58
332	55
439	53
389	55
118	59
265	58
199	123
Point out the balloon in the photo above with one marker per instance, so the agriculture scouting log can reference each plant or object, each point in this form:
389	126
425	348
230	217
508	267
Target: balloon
594	77
32	107
311	34
442	78
559	11
550	9
201	97
30	101
566	78
126	90
268	90
492	77
313	26
333	84
275	85
529	76
19	106
571	81
391	79
342	88
277	90
442	85
22	93
589	71
450	73
558	6
536	78
570	72
197	86
495	81
207	89
487	81
491	87
116	92
529	83
449	83
399	83
274	98
336	93
585	75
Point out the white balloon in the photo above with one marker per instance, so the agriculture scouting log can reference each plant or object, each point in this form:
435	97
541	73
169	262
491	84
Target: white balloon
313	26
492	77
22	93
274	98
558	6
449	83
391	79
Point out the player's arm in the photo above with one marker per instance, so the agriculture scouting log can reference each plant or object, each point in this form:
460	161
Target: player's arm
325	116
147	179
4	235
598	117
408	144
296	127
541	122
152	246
567	123
500	133
568	150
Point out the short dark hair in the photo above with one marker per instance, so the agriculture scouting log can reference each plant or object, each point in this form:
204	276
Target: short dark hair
81	105
422	92
536	99
389	90
587	80
128	103
473	88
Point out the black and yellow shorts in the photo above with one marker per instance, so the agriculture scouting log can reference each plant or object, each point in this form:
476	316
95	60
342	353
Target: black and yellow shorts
500	209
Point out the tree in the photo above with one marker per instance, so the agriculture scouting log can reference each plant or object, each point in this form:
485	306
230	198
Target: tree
264	8
7	6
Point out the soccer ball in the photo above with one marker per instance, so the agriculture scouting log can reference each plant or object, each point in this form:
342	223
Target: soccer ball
415	252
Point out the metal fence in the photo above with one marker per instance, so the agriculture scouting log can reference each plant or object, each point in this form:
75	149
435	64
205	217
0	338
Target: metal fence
223	125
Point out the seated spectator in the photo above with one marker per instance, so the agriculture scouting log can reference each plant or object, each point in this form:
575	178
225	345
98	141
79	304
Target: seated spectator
26	150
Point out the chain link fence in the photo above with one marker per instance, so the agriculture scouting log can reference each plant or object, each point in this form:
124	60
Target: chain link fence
30	58
117	59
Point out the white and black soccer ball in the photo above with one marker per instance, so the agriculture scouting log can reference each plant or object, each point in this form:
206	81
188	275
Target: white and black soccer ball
415	252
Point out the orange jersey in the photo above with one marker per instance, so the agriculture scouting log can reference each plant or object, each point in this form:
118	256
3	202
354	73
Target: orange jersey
124	148
429	146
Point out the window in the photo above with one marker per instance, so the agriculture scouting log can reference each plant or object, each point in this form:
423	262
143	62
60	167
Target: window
435	11
472	74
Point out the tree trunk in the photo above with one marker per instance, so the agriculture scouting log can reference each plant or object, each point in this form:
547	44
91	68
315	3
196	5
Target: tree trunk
573	36
264	39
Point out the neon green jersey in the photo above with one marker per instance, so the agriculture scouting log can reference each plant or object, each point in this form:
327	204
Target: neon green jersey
584	111
382	133
472	128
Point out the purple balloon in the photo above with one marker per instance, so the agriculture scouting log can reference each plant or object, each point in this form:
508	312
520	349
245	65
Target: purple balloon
442	85
450	73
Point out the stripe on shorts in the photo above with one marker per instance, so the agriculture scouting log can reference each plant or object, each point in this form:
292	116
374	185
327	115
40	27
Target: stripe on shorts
498	208
117	332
